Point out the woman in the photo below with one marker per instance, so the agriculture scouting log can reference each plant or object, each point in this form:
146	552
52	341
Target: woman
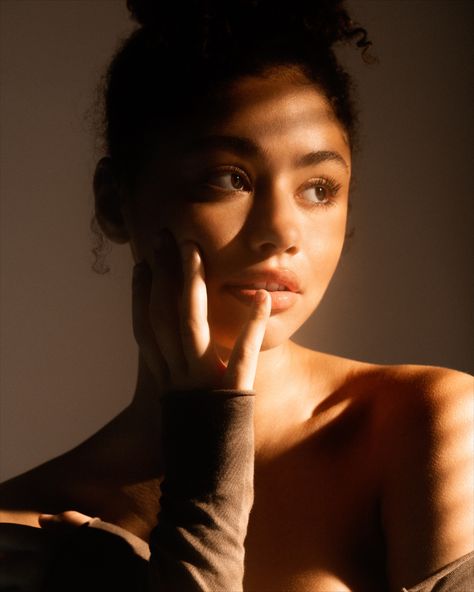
241	151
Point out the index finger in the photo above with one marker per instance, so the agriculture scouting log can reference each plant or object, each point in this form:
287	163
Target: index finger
243	360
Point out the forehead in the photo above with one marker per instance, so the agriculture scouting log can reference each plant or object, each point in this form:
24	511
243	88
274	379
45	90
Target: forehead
274	107
275	103
280	111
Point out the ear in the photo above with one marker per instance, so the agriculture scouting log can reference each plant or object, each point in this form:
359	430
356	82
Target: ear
108	202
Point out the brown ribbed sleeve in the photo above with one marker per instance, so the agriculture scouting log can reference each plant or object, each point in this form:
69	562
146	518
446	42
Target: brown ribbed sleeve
457	576
207	492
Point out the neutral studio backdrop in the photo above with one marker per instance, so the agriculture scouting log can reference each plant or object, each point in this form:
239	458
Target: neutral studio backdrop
403	291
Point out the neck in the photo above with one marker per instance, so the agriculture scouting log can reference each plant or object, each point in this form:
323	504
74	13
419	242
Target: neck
280	385
278	372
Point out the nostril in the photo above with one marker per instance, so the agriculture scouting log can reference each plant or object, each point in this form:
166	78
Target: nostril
269	248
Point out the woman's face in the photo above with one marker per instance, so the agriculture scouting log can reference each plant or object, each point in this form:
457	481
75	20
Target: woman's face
263	191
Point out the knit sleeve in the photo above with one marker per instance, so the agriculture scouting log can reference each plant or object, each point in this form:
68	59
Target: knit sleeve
457	576
206	494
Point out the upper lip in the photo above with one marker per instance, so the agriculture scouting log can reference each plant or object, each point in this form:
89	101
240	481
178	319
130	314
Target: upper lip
282	277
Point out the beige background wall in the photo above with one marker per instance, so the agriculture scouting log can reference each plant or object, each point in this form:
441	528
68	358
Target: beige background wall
403	292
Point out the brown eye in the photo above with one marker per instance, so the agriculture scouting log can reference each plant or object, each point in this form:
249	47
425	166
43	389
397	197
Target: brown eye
228	181
317	194
321	192
237	181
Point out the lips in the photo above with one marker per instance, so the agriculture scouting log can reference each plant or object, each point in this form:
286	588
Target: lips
282	285
269	286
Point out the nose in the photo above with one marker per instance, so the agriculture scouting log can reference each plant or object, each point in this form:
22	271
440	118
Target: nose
273	223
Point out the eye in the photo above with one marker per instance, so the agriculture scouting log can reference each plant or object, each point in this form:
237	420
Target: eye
321	192
228	180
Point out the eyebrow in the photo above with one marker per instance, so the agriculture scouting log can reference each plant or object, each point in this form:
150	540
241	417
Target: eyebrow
313	158
247	147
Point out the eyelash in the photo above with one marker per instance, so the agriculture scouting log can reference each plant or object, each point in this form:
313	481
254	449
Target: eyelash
329	183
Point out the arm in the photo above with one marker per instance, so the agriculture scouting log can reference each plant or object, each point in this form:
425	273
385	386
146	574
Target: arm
427	480
207	426
207	423
207	493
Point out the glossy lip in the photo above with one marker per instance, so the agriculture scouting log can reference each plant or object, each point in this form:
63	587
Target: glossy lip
242	288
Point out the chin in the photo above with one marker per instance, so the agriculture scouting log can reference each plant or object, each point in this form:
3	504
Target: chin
271	341
279	330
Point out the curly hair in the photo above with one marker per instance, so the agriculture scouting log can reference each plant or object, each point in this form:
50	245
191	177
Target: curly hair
182	55
183	52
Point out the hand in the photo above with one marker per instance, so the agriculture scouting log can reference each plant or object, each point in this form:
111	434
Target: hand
26	552
175	338
63	521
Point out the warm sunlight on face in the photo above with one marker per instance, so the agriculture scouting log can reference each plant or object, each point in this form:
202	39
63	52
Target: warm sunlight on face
263	191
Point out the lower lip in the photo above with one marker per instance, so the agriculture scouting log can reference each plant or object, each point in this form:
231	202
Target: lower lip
281	300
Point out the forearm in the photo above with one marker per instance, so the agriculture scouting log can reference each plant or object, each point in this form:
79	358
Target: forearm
207	492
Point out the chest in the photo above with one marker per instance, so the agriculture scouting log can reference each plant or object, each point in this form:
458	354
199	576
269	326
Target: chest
314	524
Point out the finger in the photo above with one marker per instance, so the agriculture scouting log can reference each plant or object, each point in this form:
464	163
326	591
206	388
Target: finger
63	520
142	329
243	360
163	306
194	327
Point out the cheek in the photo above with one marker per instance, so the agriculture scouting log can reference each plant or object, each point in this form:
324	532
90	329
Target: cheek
323	250
326	247
213	227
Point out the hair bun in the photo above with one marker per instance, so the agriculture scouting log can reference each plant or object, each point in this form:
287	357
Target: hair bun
325	16
165	17
324	22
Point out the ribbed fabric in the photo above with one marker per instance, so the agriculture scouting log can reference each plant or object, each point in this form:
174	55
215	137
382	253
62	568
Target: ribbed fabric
457	576
207	493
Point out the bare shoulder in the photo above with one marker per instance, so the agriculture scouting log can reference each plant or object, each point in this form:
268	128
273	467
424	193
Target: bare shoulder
413	407
42	489
420	425
424	437
433	382
433	390
433	395
390	392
